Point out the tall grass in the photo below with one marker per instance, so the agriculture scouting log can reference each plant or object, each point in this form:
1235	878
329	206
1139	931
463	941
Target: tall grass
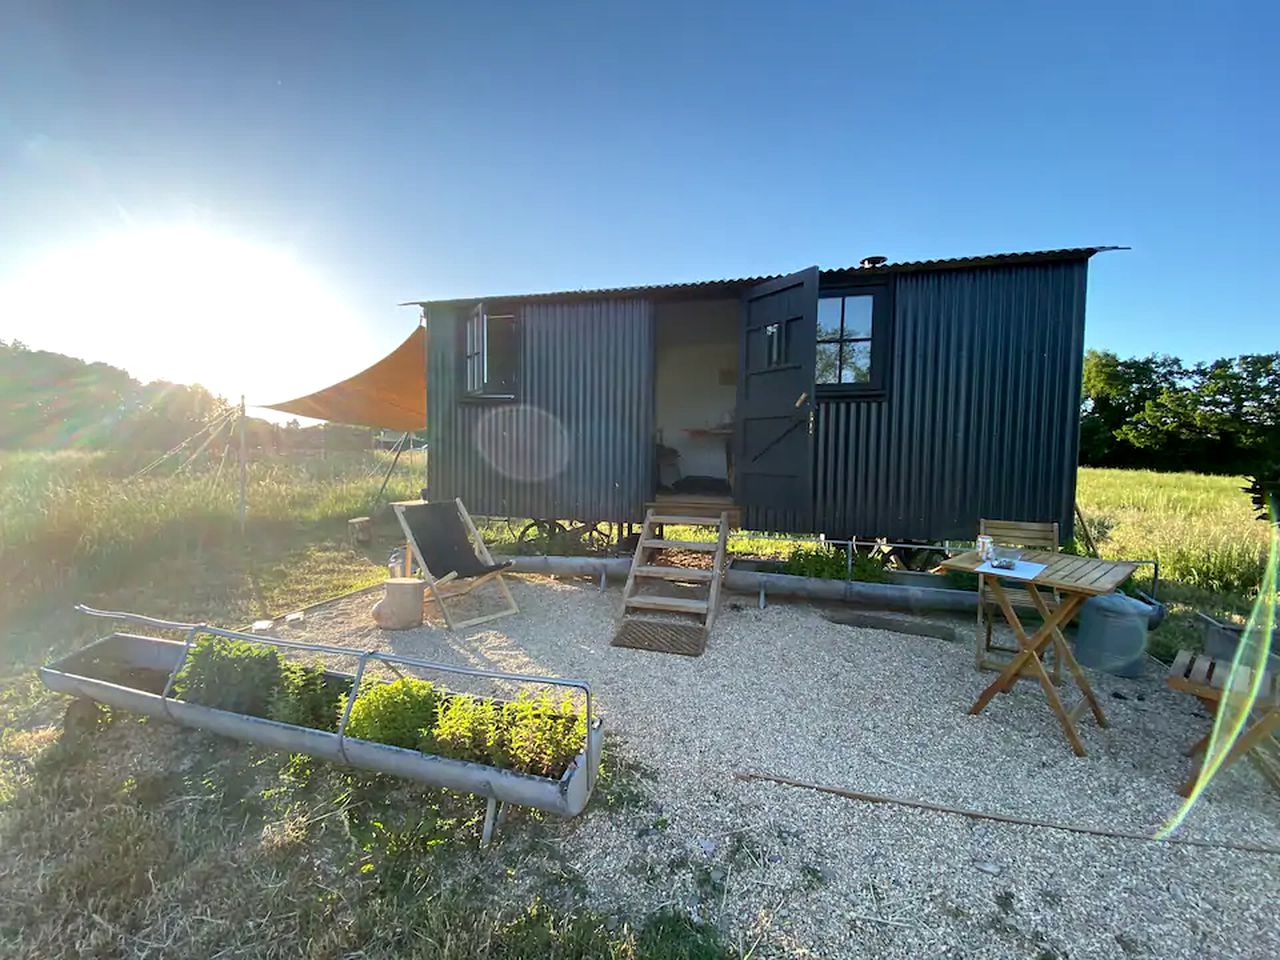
80	516
1201	529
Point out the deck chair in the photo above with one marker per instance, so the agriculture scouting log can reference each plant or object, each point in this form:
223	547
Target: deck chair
442	538
1011	533
1206	679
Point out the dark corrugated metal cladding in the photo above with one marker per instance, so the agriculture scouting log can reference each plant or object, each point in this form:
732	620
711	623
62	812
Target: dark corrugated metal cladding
980	416
578	441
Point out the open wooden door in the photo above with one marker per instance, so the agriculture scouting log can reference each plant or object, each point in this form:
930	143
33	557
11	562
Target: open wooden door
774	464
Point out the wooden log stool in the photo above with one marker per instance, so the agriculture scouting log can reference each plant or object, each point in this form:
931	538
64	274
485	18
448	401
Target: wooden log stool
401	605
359	530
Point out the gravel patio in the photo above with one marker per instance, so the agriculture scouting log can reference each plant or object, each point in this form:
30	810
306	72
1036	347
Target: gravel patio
791	872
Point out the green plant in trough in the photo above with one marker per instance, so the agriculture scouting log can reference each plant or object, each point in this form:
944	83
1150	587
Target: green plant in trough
542	736
831	563
231	675
868	569
468	728
535	735
307	698
395	713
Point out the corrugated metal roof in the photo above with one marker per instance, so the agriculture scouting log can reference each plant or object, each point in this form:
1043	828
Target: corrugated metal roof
703	287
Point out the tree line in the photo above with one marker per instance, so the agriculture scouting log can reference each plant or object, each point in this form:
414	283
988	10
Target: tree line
1154	412
49	401
1160	413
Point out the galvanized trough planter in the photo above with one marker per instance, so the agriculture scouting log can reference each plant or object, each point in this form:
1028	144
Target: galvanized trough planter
118	669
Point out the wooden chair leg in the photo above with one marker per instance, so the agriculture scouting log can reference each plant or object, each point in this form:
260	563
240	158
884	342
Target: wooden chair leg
980	641
1268	766
510	608
1248	740
506	592
1200	745
443	607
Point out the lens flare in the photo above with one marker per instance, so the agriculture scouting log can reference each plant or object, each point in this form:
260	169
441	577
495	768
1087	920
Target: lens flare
1238	701
523	443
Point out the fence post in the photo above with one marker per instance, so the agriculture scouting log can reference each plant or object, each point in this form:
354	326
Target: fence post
244	468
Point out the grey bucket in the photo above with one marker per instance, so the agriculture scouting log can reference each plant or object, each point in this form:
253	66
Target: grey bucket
1111	634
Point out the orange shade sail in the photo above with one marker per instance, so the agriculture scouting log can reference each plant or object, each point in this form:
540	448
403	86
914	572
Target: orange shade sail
391	394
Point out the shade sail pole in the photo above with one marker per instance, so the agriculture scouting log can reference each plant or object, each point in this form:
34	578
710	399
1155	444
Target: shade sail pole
387	476
244	469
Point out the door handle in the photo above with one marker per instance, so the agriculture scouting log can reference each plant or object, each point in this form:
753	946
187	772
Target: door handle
801	399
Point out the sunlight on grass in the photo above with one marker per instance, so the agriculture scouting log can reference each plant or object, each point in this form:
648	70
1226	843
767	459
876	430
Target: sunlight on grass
1200	528
1211	548
75	516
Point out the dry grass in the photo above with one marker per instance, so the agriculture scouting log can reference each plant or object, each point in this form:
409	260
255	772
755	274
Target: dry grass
120	845
73	520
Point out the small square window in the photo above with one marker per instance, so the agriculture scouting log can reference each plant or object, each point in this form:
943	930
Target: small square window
775	349
852	336
491	353
855	362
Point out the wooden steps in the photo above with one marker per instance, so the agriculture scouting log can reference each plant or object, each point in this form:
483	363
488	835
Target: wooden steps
673	573
701	520
672	604
696	505
696	546
646	567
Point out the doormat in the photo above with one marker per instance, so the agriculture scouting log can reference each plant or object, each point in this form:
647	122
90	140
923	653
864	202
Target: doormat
662	636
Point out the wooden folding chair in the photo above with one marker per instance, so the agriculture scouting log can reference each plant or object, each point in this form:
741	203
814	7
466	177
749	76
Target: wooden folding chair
1011	533
1206	679
442	538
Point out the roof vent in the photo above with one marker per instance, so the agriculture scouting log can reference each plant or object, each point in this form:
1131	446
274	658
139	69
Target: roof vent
873	262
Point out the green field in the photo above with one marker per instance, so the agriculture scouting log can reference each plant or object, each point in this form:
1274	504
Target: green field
77	527
128	835
1209	544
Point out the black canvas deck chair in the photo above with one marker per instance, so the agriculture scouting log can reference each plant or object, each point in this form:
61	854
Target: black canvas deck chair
442	538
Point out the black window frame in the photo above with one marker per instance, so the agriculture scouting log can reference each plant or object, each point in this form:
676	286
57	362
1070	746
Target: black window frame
476	356
881	293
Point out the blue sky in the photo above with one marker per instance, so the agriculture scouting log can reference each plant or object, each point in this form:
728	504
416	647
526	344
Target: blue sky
430	150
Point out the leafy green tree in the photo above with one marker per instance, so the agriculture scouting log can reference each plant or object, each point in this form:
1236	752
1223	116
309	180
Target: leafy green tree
1115	391
1225	417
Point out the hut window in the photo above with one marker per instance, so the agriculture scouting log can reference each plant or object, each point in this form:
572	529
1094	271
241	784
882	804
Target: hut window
852	334
490	353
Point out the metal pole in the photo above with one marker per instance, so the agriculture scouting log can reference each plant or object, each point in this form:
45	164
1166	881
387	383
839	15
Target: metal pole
387	476
244	468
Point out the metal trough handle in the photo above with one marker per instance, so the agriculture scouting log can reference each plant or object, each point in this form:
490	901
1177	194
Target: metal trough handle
388	658
167	694
346	711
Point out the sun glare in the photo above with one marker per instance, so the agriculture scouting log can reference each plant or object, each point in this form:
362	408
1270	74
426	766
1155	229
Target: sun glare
188	305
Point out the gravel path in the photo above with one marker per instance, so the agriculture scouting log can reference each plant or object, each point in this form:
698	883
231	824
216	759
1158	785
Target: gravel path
791	872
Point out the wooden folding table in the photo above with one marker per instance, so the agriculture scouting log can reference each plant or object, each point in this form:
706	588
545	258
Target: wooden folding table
1075	579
